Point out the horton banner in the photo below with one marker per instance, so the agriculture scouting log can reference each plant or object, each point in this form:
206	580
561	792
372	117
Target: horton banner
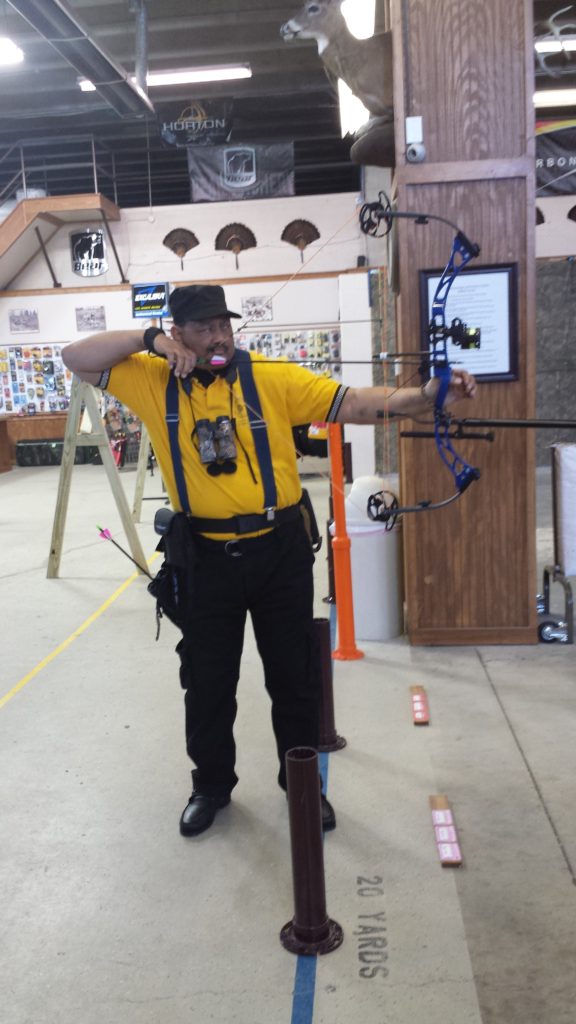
203	123
555	158
223	173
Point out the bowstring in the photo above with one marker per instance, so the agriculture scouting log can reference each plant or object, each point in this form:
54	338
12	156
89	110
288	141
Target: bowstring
405	383
293	447
305	263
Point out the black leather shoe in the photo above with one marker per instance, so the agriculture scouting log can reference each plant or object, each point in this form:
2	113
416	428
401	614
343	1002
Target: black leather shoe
328	815
200	812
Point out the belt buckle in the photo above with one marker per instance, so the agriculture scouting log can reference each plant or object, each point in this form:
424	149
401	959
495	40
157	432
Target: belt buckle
270	511
230	550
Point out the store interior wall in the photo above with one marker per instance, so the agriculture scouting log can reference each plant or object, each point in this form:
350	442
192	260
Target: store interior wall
302	291
139	235
297	298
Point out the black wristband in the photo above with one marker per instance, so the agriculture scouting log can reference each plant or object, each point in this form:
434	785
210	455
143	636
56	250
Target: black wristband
149	334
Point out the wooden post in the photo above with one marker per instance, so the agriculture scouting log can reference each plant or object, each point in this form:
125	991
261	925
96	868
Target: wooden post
141	468
467	71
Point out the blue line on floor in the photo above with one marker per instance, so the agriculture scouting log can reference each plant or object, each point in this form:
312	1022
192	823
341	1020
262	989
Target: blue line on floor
305	976
304	988
323	765
333	625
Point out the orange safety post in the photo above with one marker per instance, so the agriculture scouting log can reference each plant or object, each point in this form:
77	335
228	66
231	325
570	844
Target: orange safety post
346	650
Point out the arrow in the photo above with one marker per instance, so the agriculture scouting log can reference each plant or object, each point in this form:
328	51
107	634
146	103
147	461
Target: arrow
106	535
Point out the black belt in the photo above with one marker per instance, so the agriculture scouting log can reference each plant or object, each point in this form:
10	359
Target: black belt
246	524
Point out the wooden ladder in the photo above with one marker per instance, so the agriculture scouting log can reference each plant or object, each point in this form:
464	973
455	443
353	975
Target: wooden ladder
83	394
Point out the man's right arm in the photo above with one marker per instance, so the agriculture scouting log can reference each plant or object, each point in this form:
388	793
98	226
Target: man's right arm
91	356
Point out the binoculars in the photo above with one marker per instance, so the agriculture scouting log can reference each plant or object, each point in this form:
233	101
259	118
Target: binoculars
216	445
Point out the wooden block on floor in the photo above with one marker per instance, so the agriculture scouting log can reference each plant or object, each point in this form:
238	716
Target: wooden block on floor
445	833
420	709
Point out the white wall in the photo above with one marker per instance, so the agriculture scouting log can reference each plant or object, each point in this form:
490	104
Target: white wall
296	299
294	302
356	356
144	259
138	238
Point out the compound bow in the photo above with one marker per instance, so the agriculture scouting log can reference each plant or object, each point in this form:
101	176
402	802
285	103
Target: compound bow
372	216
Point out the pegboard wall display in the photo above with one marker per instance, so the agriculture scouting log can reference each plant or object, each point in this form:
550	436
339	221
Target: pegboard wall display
320	351
33	380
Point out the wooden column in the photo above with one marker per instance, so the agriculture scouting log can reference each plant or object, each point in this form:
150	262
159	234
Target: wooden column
466	68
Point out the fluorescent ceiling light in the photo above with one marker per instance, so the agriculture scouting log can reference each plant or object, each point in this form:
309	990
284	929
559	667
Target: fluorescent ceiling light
567	43
360	16
353	113
9	52
186	76
555	98
217	74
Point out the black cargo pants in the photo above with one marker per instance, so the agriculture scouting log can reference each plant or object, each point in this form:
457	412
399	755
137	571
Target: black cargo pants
271	578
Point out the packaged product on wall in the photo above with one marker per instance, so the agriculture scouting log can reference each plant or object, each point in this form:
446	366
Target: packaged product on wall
34	380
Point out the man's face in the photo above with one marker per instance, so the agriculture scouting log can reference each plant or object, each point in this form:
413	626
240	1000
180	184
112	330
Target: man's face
207	338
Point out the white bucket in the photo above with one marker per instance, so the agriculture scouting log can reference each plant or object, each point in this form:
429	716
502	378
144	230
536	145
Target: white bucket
376	587
375	564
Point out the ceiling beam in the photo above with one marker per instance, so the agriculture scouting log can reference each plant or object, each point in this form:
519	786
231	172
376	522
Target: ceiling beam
73	42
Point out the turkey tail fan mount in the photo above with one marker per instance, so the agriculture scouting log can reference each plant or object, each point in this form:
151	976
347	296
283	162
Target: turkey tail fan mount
180	241
300	233
235	238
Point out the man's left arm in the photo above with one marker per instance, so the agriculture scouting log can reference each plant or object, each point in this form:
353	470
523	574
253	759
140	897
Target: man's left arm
371	405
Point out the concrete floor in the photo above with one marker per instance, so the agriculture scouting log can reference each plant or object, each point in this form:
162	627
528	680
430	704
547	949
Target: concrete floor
110	917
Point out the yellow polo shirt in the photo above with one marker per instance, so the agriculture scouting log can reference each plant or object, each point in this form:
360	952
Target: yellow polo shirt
289	395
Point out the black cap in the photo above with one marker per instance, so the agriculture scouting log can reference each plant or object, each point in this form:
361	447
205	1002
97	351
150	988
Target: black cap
198	302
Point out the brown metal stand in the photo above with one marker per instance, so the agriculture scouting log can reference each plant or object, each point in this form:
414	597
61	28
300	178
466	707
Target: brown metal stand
329	739
310	931
347	456
330	597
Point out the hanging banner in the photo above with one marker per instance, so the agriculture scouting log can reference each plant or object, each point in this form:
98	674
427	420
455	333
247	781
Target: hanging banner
88	252
555	158
221	173
202	123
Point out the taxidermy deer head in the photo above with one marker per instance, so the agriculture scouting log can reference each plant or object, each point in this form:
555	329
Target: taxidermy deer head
364	64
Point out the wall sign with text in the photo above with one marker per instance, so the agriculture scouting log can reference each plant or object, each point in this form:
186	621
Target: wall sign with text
484	297
149	300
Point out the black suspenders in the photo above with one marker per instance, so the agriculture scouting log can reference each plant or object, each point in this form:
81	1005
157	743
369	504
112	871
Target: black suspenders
257	425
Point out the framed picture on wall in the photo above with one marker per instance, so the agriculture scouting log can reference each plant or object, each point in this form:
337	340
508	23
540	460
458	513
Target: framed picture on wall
484	298
90	318
257	307
23	321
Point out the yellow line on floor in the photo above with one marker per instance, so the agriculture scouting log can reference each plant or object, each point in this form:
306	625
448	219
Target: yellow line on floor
66	643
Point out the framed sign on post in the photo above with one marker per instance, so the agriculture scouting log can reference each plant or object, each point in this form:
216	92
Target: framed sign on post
489	295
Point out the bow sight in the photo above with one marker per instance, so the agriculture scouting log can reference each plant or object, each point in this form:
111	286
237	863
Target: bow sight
463	336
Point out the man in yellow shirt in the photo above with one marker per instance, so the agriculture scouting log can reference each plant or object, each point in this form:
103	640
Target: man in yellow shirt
238	483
